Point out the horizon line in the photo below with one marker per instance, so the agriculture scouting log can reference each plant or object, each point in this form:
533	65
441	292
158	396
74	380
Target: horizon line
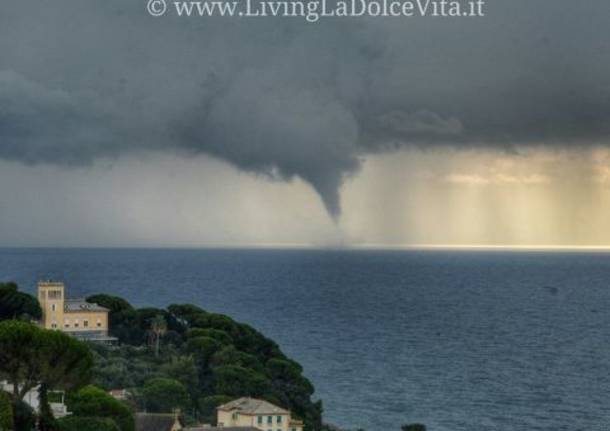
304	246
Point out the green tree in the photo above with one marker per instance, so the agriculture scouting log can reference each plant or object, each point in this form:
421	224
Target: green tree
202	348
17	305
30	355
121	318
229	355
238	381
93	402
6	412
185	313
207	406
183	369
290	387
163	395
67	362
220	336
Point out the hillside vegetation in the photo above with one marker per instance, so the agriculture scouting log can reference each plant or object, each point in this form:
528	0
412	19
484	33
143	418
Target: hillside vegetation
181	357
199	360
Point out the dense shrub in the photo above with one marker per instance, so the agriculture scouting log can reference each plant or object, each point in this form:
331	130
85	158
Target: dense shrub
78	423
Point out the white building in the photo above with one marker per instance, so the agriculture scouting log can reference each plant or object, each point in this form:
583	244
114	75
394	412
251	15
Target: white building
31	398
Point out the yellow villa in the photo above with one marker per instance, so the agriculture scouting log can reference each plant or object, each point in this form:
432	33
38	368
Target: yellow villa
258	414
76	317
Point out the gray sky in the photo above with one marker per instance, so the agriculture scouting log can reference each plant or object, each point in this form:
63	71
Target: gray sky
117	128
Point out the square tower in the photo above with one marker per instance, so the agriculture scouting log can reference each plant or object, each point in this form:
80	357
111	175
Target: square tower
51	298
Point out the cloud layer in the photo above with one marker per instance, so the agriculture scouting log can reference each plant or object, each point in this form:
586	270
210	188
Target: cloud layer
283	98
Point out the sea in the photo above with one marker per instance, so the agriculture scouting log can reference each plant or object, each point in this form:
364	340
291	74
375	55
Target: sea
457	340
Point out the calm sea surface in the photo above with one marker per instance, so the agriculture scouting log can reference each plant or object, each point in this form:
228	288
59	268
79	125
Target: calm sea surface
461	341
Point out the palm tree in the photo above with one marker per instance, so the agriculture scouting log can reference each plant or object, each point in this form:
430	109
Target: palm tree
158	326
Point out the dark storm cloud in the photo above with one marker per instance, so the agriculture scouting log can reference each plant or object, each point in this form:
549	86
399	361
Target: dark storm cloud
42	125
283	98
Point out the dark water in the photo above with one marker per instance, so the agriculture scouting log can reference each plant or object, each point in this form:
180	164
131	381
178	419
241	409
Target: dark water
457	340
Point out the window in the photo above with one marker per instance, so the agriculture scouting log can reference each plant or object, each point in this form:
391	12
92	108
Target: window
53	325
54	294
76	323
53	307
260	420
99	324
234	416
270	420
279	419
86	323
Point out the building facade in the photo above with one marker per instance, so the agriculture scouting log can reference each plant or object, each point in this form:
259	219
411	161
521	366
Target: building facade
74	316
258	414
